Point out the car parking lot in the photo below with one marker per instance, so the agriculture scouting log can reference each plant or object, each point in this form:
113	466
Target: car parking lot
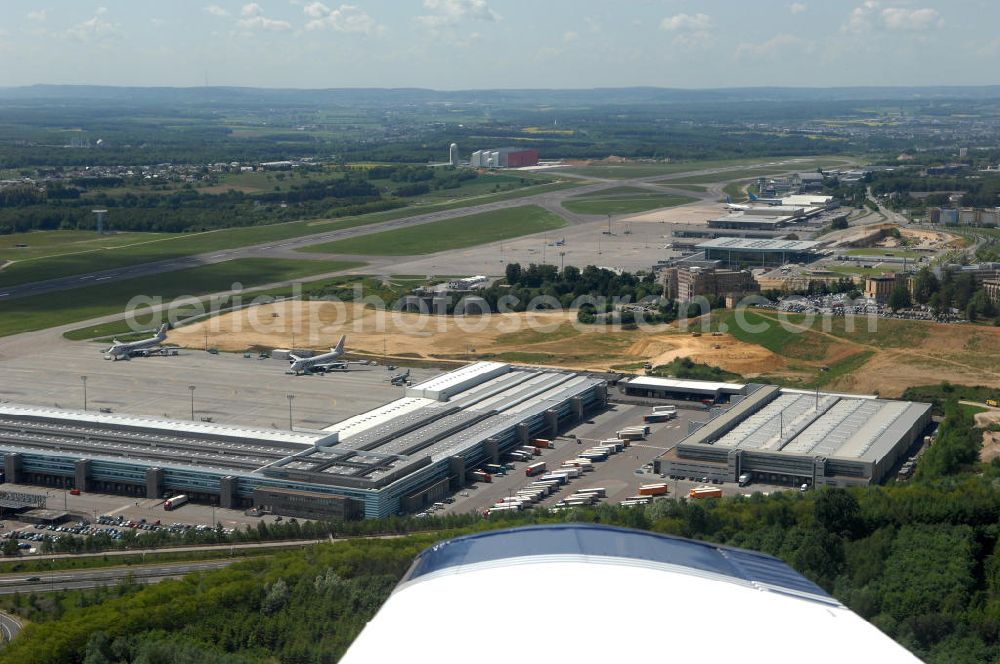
95	513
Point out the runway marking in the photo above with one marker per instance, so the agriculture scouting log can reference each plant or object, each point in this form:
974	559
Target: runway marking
4	294
102	278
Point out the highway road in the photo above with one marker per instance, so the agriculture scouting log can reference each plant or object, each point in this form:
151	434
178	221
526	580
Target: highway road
551	201
9	627
81	579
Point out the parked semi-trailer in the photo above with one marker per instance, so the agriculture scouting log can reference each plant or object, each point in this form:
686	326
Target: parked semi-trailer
658	489
542	442
175	502
535	469
705	492
600	491
481	476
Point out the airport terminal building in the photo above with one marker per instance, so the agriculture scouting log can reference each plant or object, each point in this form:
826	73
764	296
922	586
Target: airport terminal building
401	456
793	437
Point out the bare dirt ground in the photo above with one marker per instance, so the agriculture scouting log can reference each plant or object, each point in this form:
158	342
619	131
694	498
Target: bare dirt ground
956	353
548	338
991	416
991	446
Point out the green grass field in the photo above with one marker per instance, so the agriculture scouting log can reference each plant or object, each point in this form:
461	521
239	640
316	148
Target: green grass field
623	200
772	335
747	173
164	247
875	252
448	233
42	244
642	169
45	311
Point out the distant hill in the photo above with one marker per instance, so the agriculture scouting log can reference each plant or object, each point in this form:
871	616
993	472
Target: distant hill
514	97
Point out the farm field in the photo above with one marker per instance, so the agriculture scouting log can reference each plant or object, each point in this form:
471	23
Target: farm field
45	311
447	234
623	200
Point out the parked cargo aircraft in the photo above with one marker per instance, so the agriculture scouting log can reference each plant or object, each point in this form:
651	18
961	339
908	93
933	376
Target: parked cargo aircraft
124	350
735	206
759	610
320	363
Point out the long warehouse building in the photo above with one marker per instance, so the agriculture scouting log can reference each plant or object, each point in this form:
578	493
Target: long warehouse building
399	457
793	437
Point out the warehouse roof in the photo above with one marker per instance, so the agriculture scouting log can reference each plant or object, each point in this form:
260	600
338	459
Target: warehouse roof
681	385
811	423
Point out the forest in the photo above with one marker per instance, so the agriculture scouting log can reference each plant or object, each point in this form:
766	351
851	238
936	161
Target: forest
918	559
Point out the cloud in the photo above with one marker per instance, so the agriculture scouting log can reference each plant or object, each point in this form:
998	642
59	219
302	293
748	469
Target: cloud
316	10
346	18
570	36
263	23
93	28
253	19
797	7
773	47
896	18
39	15
451	12
686	22
869	17
215	10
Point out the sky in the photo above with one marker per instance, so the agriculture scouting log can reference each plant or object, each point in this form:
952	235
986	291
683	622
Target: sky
482	44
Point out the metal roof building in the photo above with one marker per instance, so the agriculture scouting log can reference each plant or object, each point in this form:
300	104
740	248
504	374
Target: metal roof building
680	389
736	251
400	456
800	437
745	603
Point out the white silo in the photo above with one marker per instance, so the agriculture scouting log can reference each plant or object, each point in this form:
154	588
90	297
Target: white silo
453	154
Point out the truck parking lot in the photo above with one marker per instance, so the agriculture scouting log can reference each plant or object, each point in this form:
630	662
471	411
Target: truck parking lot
620	475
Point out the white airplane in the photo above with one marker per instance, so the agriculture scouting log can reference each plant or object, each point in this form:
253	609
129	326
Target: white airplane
319	363
725	604
735	206
124	350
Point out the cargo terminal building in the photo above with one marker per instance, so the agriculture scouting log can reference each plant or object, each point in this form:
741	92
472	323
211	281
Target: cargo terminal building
737	252
793	437
399	457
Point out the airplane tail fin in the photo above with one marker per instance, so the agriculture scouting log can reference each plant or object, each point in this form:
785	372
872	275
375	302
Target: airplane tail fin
752	196
162	333
728	199
340	345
